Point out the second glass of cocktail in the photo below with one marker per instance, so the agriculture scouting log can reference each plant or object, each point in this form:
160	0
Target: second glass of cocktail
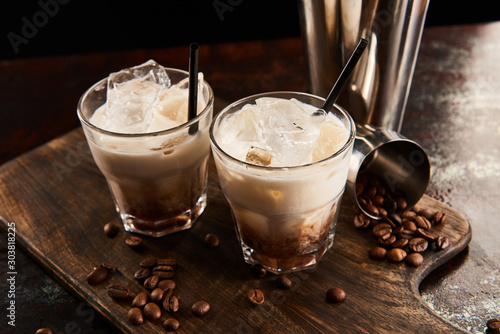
283	170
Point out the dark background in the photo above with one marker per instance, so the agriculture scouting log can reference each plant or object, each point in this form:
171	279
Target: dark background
76	26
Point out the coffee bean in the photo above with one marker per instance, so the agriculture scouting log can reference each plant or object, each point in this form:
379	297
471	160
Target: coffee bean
400	243
135	316
151	282
109	267
381	229
418	245
166	262
140	300
493	324
283	283
406	234
152	311
422	223
200	308
142	273
118	291
258	271
171	304
414	259
149	262
255	296
395	218
408	215
110	229
439	217
211	240
377	253
359	189
156	295
427	235
166	284
387	240
163	271
396	255
401	202
409	226
171	324
427	213
97	275
44	331
335	295
390	205
372	210
387	220
442	242
134	242
361	221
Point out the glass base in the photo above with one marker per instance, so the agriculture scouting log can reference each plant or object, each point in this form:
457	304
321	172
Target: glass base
164	226
286	265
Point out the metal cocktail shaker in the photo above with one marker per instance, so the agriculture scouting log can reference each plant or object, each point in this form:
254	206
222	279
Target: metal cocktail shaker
377	91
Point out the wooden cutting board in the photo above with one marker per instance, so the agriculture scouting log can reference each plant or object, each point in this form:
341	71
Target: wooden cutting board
59	202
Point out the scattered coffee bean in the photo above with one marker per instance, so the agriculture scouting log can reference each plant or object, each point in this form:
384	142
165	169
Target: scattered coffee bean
156	295
152	311
377	253
166	284
135	316
255	296
149	262
426	213
442	242
109	267
151	282
427	235
171	304
408	215
414	259
211	240
200	308
142	273
439	218
283	283
422	223
171	324
493	324
140	300
335	295
44	331
381	229
400	243
396	255
118	291
258	271
134	242
163	271
166	262
409	226
361	221
110	229
387	240
401	202
418	245
97	275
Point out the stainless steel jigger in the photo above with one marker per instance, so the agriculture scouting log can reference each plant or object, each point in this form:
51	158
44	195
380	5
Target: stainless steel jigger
402	163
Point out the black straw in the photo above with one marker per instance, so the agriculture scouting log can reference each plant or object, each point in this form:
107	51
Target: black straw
193	86
346	73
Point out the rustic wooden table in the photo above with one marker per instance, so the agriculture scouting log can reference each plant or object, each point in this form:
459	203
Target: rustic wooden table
453	111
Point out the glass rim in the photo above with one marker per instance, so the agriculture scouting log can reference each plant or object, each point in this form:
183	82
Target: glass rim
182	126
349	142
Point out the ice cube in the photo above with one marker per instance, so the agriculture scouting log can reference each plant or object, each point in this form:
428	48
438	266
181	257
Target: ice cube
132	96
291	131
258	156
